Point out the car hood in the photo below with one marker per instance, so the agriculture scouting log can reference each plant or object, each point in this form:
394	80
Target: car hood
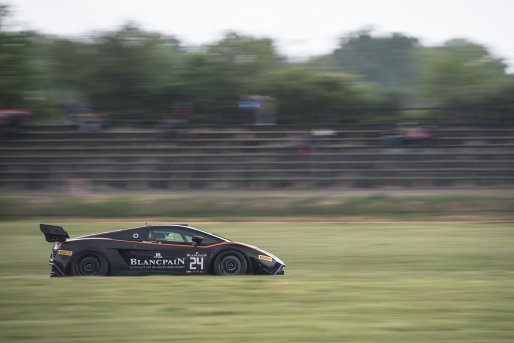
263	252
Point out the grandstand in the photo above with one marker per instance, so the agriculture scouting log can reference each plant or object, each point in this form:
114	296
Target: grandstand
259	157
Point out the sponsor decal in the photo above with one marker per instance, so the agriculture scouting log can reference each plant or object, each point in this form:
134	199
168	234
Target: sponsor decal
158	262
136	235
65	252
196	262
265	258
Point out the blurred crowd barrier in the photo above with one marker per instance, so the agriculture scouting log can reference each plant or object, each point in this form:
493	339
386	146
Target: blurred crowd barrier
404	155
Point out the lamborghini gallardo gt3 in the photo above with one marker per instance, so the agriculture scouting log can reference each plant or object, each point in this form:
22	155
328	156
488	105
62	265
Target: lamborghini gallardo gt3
164	249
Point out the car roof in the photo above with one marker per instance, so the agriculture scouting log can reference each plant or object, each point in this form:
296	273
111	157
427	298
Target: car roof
186	226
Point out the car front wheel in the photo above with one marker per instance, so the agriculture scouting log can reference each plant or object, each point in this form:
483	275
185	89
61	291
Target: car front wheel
230	262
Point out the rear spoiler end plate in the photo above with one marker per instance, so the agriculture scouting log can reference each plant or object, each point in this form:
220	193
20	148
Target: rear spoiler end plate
53	233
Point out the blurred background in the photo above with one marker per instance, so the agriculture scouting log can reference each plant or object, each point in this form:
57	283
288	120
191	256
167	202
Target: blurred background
368	144
135	109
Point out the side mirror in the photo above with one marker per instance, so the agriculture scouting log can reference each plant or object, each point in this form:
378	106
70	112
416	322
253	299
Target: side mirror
197	240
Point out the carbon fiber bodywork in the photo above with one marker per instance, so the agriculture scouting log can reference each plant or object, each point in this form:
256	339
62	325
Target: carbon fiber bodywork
135	252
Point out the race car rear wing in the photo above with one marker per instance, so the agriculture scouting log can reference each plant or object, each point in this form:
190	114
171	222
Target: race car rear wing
53	233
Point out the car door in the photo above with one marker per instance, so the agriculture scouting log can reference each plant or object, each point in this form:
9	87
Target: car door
174	251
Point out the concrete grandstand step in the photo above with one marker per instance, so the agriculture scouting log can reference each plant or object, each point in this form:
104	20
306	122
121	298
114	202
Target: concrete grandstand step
268	164
259	133
236	149
250	174
360	156
240	142
266	183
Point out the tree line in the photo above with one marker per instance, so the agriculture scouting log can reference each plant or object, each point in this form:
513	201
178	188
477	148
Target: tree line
135	74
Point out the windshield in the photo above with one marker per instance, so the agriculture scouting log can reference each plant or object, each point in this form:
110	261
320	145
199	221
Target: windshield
211	234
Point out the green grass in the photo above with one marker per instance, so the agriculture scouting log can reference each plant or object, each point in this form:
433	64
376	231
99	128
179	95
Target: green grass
343	283
240	206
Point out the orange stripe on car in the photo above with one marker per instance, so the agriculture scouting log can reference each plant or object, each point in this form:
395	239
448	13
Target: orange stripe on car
169	244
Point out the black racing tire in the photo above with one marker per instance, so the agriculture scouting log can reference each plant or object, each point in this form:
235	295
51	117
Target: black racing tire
230	262
90	264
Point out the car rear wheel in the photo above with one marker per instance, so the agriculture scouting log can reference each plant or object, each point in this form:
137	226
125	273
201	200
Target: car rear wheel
230	262
90	265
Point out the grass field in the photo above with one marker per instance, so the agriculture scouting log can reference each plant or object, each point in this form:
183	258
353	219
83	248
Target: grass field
343	283
237	206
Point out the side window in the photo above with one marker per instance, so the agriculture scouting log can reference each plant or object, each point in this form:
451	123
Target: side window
169	235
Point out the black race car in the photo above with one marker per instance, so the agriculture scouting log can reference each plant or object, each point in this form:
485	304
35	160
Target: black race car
164	249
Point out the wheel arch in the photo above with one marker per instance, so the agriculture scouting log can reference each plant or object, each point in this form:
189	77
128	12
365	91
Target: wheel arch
249	263
87	251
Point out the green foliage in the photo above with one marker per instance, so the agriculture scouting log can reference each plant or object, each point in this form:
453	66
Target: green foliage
215	78
388	61
15	71
309	96
460	72
130	73
499	105
245	57
211	86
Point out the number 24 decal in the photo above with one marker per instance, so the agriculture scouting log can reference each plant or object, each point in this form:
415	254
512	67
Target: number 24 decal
195	262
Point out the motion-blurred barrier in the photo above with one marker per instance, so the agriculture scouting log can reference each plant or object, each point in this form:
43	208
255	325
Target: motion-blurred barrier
257	158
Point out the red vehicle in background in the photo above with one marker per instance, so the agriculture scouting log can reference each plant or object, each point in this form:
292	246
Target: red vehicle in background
408	134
